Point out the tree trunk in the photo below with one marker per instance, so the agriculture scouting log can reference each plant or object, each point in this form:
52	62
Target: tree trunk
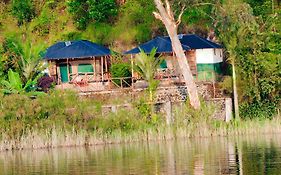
235	93
166	16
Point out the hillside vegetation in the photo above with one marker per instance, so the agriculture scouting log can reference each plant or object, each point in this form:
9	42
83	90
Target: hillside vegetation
250	31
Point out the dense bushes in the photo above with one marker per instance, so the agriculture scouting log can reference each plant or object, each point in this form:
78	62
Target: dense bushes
64	110
23	10
42	23
124	26
259	110
85	11
10	55
121	70
256	57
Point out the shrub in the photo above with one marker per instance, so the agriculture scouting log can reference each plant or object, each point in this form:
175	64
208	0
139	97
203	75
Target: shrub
258	109
23	10
42	24
45	83
120	70
72	36
102	10
84	11
11	51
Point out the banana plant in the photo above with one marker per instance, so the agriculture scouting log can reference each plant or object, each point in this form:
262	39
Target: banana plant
24	77
15	85
31	65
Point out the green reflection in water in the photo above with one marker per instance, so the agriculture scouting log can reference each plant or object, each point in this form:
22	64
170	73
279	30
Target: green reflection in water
250	155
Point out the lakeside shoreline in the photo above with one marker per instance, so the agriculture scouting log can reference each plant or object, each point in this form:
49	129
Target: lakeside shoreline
62	119
66	139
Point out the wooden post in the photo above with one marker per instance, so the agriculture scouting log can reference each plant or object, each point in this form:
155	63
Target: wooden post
68	76
106	68
169	115
132	67
102	78
114	109
228	109
58	73
214	89
95	68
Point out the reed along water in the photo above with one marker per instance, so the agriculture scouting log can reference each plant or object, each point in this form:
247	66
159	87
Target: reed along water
245	155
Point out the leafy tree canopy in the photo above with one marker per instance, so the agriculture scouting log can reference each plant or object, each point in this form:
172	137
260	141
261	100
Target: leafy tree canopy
85	11
23	10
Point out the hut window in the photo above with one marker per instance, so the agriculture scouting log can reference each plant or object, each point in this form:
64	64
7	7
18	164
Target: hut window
83	68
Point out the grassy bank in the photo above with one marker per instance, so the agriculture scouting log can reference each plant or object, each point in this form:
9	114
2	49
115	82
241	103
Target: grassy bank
63	119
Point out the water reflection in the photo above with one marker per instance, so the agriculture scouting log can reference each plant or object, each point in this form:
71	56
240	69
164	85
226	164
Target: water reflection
250	155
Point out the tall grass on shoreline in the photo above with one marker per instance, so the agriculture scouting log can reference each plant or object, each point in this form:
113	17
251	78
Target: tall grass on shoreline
56	137
64	120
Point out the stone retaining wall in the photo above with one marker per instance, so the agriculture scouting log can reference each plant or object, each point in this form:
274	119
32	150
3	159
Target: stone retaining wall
173	94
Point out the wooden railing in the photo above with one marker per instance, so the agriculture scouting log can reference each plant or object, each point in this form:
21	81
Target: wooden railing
88	77
171	74
124	82
168	76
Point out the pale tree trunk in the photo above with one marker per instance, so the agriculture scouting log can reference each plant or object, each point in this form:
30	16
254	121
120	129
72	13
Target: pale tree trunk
235	93
167	17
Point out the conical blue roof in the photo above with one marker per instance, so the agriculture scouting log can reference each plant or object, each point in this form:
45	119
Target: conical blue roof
197	42
164	45
75	49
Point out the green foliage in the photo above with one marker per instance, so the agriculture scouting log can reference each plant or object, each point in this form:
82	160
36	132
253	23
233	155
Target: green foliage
79	8
251	45
249	30
67	112
262	8
102	10
23	10
147	66
196	18
121	70
31	64
21	66
72	36
14	84
42	24
260	110
144	109
99	32
186	116
226	85
85	11
136	17
10	55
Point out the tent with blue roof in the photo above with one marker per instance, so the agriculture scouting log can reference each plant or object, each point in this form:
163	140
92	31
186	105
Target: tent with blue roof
75	49
71	60
203	55
164	45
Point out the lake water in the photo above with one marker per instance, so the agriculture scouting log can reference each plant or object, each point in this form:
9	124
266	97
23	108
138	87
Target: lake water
251	155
